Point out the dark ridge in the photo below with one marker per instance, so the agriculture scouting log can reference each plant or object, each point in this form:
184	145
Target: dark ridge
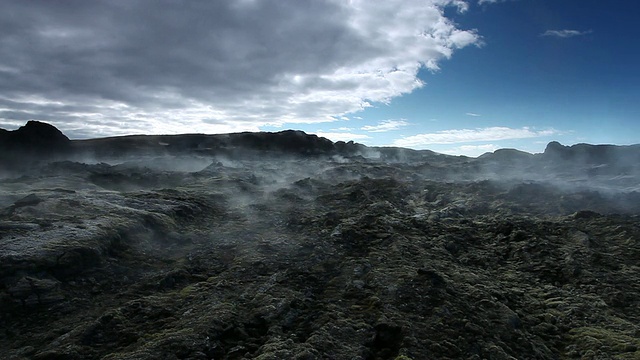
35	137
554	147
288	142
593	154
507	154
38	138
34	141
397	154
502	159
41	141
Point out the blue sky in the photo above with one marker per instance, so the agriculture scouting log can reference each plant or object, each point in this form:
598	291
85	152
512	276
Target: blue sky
453	76
581	84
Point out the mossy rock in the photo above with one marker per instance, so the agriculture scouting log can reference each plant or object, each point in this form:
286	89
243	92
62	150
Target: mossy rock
606	340
402	357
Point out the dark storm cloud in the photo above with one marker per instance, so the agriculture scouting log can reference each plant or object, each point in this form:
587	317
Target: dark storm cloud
171	64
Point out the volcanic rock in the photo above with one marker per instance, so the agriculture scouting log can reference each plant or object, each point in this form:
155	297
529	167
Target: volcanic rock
33	142
33	291
34	138
234	247
593	154
28	200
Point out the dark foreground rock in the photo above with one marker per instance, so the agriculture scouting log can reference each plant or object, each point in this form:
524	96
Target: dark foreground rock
312	259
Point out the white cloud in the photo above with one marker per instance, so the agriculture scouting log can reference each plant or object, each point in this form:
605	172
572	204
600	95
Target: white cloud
386	125
462	5
481	2
342	136
215	66
471	135
565	33
472	114
470	150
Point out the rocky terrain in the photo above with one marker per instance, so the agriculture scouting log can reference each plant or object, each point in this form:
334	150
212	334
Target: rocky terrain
289	246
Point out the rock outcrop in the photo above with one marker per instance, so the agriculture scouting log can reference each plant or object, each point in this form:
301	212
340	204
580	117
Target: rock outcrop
33	142
593	154
35	138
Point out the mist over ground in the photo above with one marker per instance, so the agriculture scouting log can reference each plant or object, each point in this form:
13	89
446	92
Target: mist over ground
289	246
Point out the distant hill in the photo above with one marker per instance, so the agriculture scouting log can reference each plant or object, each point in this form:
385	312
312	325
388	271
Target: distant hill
42	141
37	141
593	154
35	138
34	141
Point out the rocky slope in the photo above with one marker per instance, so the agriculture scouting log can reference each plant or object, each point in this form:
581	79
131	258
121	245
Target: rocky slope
317	252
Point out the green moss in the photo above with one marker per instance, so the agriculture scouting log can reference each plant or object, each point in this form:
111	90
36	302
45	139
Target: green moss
188	290
592	338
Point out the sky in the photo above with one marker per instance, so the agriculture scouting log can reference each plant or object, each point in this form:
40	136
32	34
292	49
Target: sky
461	77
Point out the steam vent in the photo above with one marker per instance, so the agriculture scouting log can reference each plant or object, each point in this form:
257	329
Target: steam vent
287	245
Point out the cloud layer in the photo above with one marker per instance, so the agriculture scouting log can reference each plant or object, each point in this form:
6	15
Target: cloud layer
113	67
386	125
471	135
471	150
565	33
489	1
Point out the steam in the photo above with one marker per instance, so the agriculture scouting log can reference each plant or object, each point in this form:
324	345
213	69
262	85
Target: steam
252	179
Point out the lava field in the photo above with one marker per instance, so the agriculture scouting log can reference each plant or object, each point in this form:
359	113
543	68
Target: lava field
288	246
